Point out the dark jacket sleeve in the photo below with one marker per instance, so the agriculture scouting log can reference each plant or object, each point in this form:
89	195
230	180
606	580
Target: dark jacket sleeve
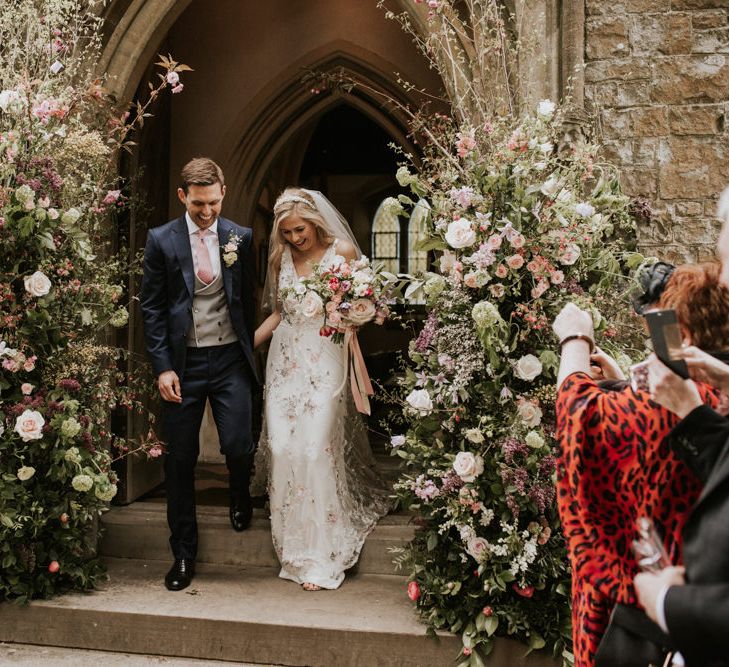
699	440
248	268
155	307
697	616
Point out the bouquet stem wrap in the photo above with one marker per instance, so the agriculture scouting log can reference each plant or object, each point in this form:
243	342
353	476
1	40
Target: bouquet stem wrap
355	369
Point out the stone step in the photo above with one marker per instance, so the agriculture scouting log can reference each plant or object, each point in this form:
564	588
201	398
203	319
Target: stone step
236	614
140	531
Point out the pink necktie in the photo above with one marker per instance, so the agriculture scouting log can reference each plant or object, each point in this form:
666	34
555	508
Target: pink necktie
204	265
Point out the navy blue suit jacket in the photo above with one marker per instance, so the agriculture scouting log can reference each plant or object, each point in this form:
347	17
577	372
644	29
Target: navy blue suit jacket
168	285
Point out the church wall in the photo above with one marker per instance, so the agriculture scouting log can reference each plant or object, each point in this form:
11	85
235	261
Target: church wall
658	71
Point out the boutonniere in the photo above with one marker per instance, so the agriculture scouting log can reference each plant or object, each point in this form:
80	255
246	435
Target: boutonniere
230	250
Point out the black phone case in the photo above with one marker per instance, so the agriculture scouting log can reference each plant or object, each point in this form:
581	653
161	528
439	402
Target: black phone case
657	321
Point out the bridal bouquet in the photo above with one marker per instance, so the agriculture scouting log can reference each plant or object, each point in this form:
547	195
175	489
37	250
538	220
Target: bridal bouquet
347	294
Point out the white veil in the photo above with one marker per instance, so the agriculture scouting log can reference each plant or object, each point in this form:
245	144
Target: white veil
334	221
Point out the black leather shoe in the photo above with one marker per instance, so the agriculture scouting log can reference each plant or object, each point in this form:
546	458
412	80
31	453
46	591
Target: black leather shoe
180	574
241	512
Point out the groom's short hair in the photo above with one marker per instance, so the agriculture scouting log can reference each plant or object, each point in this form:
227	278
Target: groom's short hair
201	171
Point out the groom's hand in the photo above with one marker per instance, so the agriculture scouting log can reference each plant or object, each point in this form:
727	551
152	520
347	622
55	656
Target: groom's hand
169	387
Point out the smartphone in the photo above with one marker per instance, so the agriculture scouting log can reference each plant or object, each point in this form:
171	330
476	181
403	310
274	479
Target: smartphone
666	337
639	376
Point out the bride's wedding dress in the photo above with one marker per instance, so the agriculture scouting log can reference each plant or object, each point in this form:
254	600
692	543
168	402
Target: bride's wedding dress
324	493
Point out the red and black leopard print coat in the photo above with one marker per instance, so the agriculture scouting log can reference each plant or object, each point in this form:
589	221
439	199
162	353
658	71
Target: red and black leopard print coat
615	465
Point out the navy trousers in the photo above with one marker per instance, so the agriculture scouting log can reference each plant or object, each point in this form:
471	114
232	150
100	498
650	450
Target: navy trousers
219	374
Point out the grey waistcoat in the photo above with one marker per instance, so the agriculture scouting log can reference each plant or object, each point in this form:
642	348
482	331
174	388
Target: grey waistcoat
211	323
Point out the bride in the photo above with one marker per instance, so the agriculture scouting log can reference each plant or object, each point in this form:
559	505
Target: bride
324	494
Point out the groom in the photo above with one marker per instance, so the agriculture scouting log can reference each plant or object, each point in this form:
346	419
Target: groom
198	311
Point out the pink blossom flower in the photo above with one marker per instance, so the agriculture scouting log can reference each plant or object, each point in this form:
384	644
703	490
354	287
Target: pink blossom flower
11	365
178	88
111	197
26	388
173	78
154	452
465	142
515	262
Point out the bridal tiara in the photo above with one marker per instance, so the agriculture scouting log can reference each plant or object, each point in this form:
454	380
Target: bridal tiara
292	199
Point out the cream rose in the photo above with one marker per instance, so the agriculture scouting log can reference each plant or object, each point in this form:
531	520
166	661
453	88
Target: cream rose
38	284
419	399
474	435
530	413
29	426
25	473
468	466
534	440
312	305
361	312
460	234
478	547
528	367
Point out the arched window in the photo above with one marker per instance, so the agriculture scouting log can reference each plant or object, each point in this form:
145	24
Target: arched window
386	239
417	231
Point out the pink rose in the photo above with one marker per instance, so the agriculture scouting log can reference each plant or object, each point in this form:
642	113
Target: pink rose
111	197
11	365
515	262
470	280
541	288
557	277
346	285
53	566
517	240
413	590
361	312
336	298
26	388
497	290
334	318
29	364
330	307
501	271
333	284
494	242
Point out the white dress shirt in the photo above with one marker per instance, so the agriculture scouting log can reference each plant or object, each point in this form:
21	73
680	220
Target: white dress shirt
211	241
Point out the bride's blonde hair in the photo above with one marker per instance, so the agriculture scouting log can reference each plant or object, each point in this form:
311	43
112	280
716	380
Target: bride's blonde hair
295	201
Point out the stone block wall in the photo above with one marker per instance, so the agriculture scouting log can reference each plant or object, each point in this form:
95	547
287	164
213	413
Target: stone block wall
657	75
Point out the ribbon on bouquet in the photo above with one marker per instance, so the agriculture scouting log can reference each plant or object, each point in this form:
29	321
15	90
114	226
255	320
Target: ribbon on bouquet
354	367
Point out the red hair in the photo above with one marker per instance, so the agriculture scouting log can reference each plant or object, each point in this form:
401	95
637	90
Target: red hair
701	303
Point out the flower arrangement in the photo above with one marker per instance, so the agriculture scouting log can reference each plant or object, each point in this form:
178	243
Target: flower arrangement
60	291
346	295
522	219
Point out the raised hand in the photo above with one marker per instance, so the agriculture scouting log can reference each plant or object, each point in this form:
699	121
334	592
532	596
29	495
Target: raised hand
706	368
671	390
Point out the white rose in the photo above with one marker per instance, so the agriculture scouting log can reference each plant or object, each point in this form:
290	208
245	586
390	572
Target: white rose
474	435
478	547
534	440
530	413
300	288
312	305
361	312
71	216
397	440
365	275
460	234
29	426
419	399
38	284
528	367
25	473
467	466
546	108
